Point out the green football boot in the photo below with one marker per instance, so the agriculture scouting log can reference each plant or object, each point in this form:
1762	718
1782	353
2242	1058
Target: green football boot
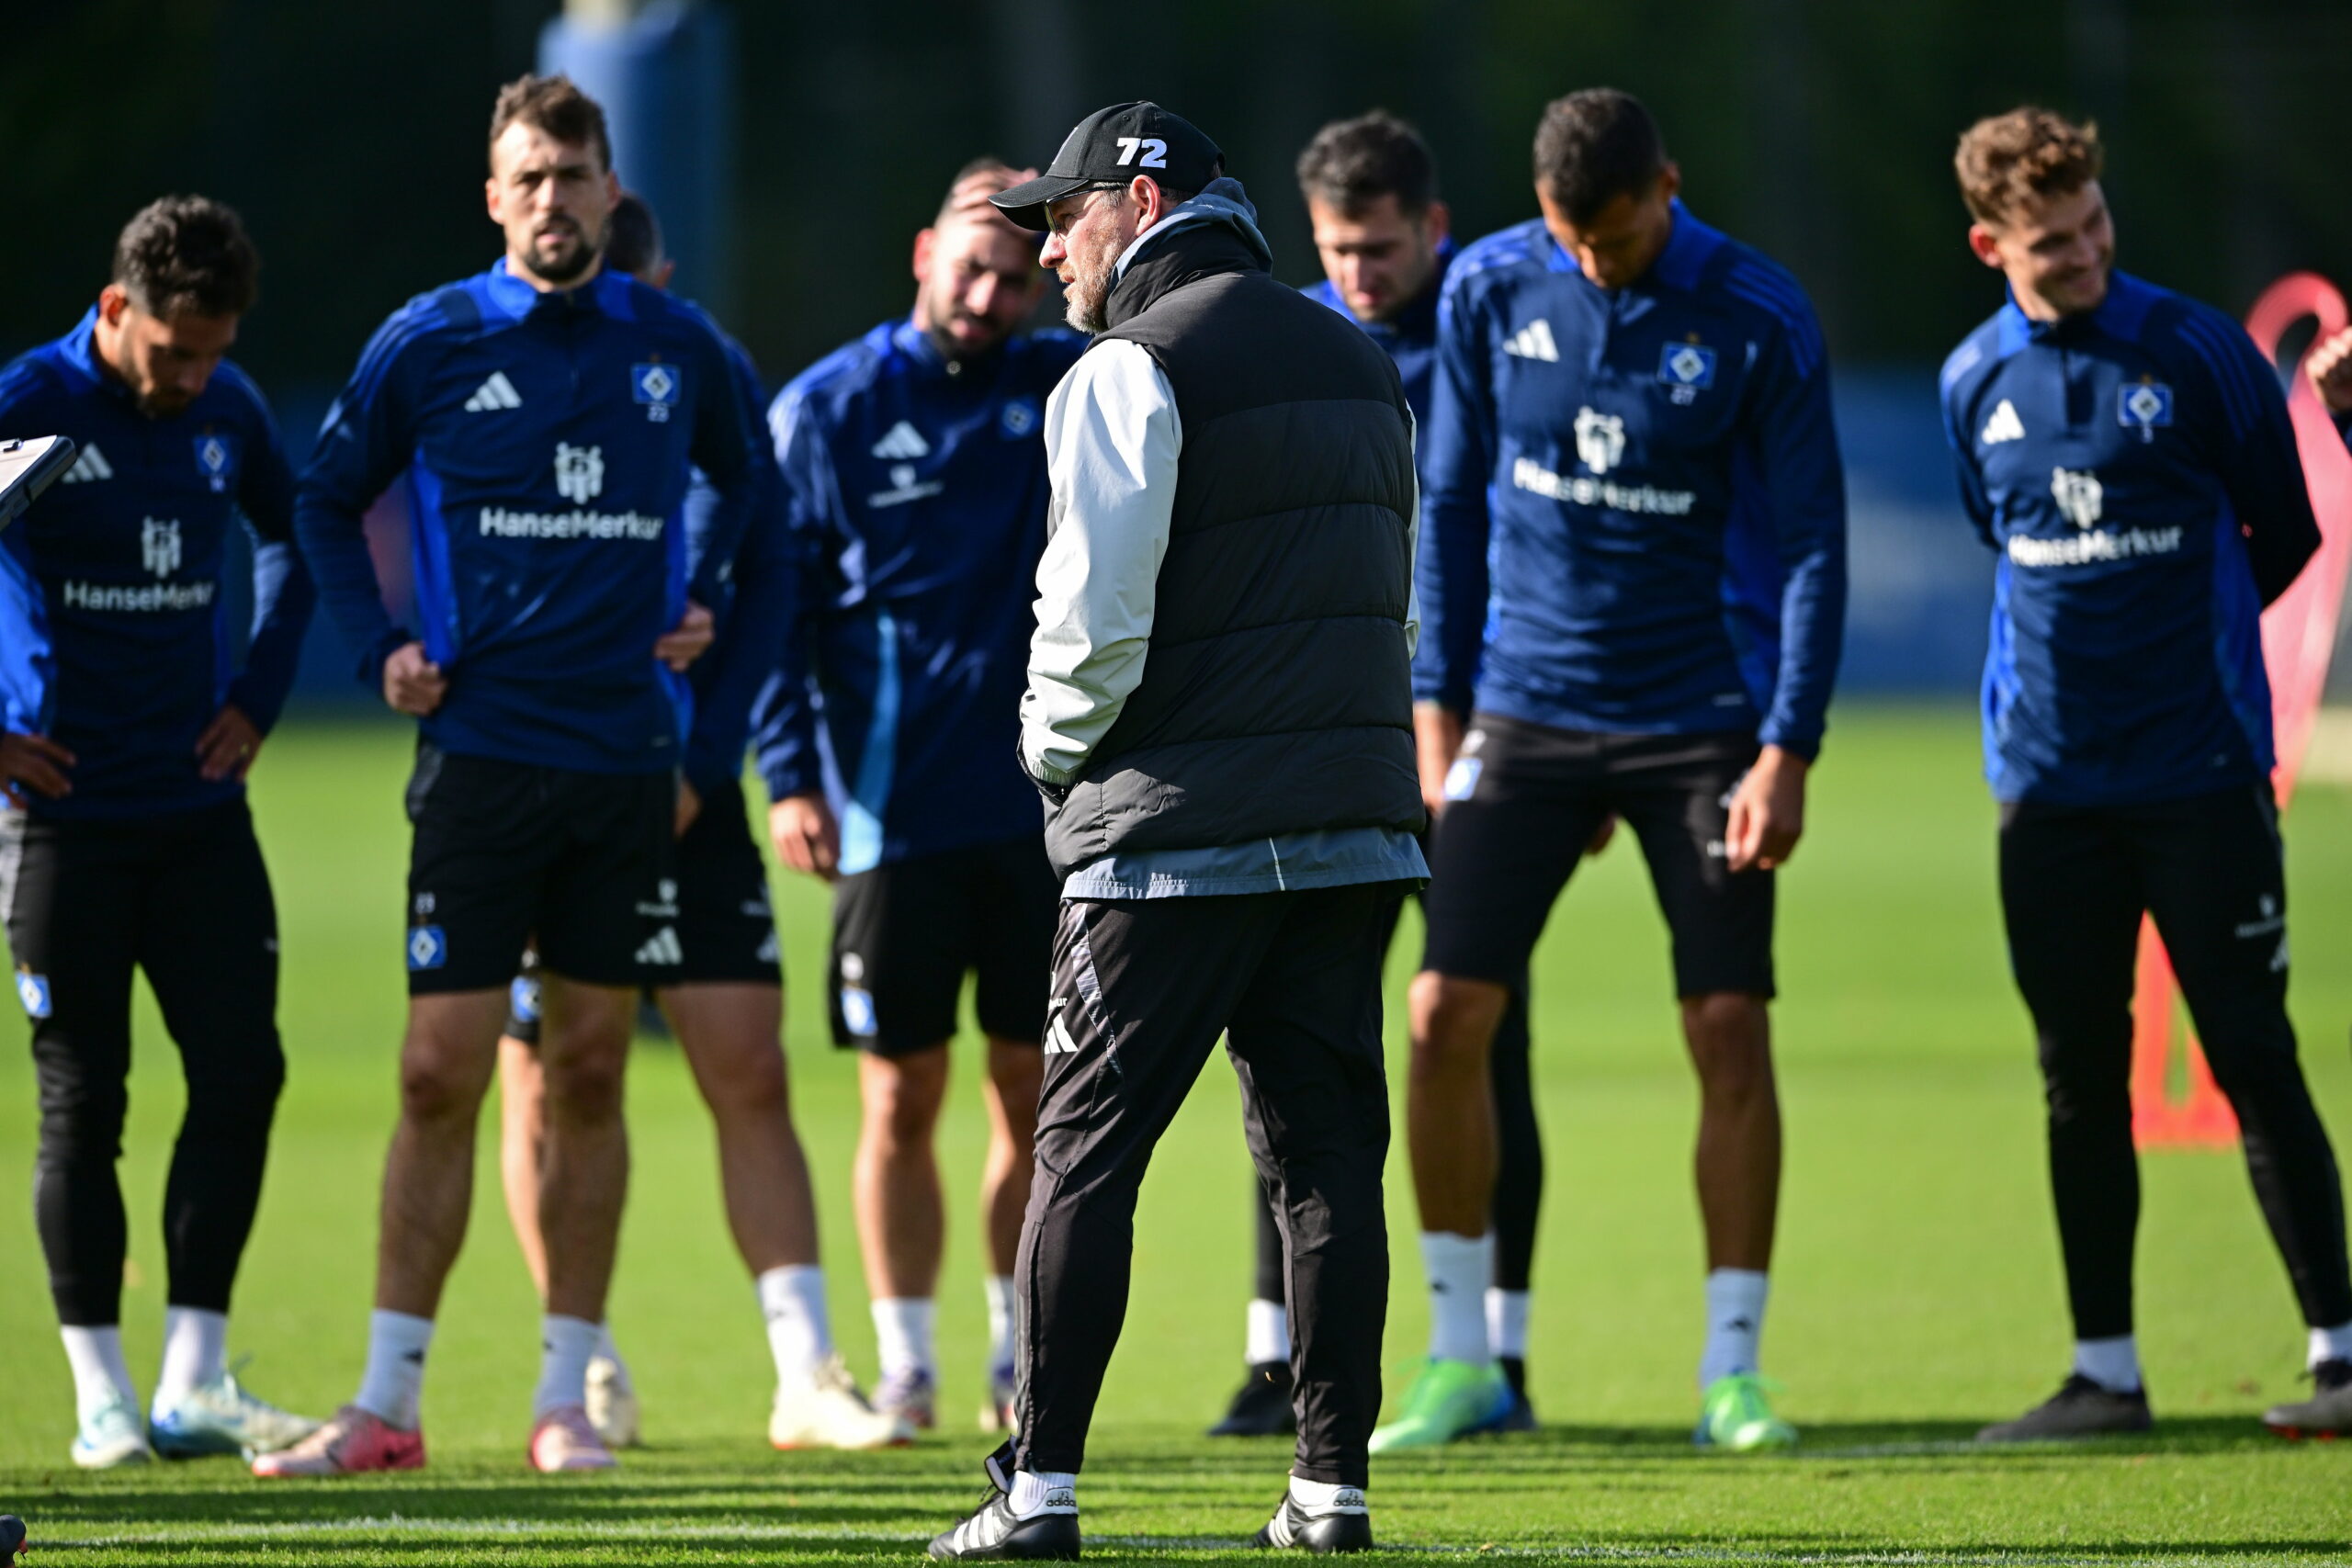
1735	1415
1446	1400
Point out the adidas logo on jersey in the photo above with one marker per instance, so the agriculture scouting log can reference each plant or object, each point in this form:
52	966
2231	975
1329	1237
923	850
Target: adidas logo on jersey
1533	340
903	444
663	950
91	464
2005	425
1058	1037
498	392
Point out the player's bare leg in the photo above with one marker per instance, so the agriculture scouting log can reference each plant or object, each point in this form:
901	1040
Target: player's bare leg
1016	1077
901	1219
446	1063
522	1146
728	1032
1738	1168
1450	1134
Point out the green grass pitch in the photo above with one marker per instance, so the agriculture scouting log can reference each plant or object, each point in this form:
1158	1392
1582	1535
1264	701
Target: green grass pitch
1916	1287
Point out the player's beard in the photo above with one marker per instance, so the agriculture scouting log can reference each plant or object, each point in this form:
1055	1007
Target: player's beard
568	261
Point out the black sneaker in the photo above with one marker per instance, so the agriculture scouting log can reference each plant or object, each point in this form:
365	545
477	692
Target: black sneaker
2080	1408
2327	1413
1345	1526
1260	1407
995	1533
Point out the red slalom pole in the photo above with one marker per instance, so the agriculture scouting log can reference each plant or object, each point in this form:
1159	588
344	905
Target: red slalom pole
2297	636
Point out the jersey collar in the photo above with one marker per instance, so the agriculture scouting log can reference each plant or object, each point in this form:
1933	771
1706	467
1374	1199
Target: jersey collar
2118	316
608	293
1688	244
77	354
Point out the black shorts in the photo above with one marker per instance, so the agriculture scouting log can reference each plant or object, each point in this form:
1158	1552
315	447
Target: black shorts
725	930
507	852
905	934
1526	798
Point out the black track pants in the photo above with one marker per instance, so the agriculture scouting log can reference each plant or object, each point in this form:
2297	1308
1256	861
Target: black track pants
2074	884
1519	1177
1142	989
185	897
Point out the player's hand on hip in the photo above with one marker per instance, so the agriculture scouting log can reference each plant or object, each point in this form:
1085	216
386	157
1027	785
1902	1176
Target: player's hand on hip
33	763
227	747
414	683
689	804
807	837
2330	368
1437	741
1767	812
687	641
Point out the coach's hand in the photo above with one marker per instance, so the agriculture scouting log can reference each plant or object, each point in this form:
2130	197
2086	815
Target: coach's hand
685	643
689	806
1437	739
807	837
1767	812
2330	368
34	762
414	683
227	747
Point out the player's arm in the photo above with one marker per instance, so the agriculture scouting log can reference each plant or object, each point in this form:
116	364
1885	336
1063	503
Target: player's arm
783	713
2252	443
1958	420
29	759
1794	440
283	600
1112	440
1455	462
726	450
364	445
761	614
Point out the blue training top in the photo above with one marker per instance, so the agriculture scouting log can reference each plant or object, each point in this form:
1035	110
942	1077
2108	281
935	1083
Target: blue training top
915	490
548	439
1409	336
1634	518
113	639
2135	468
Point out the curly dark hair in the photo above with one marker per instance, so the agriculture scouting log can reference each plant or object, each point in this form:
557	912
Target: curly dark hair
2004	159
1353	163
188	254
556	106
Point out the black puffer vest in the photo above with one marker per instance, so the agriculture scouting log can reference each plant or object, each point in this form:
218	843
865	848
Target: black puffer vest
1276	695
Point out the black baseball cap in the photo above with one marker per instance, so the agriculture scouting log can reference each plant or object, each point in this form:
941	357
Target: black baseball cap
1111	147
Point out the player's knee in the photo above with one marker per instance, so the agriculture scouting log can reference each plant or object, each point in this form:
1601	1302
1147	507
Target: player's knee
746	1083
1453	1024
1730	1039
586	1086
436	1084
902	1097
240	1095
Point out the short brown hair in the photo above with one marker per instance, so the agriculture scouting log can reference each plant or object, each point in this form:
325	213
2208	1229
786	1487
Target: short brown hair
1594	146
2004	159
555	104
1353	163
188	254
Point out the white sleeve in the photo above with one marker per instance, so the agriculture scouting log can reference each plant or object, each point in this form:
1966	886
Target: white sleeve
1112	438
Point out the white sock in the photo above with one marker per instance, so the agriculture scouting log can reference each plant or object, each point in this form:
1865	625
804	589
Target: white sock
1507	1321
196	1352
1734	1323
801	1337
100	1374
902	1331
1269	1333
1030	1491
2332	1344
1000	1310
1326	1496
394	1381
1458	1268
565	1346
608	1351
2113	1364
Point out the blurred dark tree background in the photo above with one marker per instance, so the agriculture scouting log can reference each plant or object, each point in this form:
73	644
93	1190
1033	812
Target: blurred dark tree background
350	135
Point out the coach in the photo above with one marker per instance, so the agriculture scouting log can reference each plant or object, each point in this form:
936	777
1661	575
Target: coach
1219	715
